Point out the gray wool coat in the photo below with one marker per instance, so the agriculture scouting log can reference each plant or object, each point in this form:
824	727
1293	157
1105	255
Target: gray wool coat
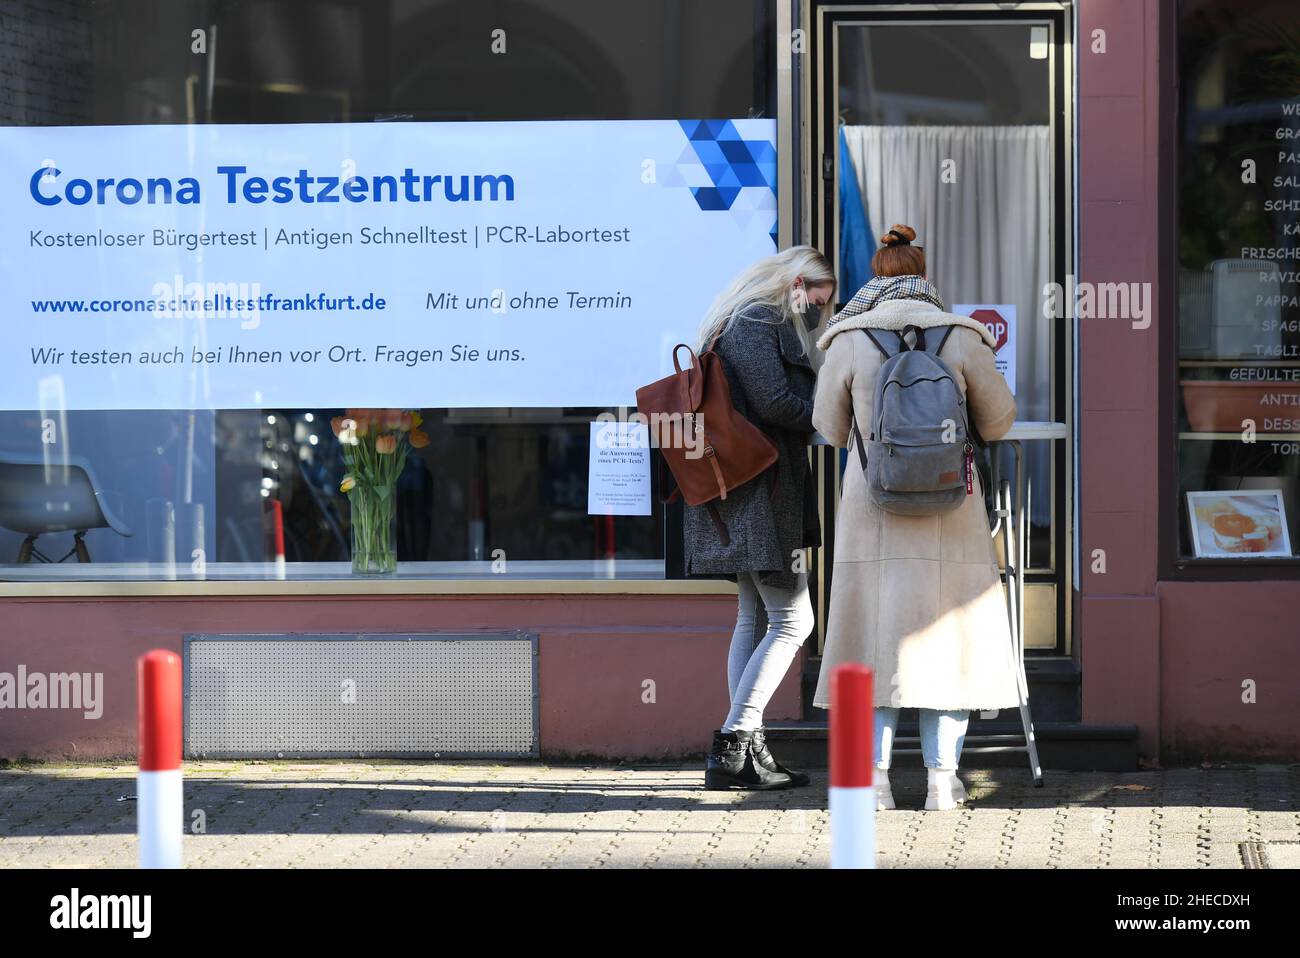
772	385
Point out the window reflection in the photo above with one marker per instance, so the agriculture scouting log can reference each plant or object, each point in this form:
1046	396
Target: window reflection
255	493
1238	322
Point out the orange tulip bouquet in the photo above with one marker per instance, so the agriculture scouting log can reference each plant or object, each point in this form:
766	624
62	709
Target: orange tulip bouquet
375	443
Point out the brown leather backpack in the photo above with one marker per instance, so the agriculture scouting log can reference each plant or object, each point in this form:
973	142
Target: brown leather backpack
727	450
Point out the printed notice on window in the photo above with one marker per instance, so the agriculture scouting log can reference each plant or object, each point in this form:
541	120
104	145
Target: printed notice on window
618	480
1000	320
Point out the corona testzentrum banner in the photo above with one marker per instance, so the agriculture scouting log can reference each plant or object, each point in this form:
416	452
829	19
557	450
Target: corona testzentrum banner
392	264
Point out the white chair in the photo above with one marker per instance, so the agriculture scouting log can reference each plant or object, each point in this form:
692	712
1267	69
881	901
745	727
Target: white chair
38	498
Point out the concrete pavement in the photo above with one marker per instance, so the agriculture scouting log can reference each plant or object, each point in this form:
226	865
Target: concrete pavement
338	814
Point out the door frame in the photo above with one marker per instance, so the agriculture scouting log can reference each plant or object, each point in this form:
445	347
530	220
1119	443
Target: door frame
818	193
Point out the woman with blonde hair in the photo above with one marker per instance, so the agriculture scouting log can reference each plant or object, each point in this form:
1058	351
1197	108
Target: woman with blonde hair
759	327
915	597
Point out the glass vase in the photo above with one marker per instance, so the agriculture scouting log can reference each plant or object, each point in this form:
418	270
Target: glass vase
374	530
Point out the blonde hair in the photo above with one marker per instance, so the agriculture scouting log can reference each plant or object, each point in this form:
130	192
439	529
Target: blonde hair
769	282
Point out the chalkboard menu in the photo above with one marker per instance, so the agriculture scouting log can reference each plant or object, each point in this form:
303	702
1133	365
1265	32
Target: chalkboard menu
1239	280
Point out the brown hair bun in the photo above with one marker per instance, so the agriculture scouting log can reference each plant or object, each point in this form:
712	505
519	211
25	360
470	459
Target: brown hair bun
898	234
897	256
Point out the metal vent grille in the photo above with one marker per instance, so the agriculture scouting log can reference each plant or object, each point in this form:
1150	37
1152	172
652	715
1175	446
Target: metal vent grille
313	695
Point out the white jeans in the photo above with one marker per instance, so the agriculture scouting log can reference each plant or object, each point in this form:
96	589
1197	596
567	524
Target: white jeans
755	668
942	736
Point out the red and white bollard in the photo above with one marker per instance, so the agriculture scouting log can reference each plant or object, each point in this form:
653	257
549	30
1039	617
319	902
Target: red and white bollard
852	797
160	813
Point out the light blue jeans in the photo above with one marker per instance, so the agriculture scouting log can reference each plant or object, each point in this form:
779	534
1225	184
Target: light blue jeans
755	668
942	736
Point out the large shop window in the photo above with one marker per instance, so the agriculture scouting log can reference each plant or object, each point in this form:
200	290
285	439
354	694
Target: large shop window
248	468
1238	364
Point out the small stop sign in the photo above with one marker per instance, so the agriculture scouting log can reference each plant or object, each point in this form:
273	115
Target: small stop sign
995	323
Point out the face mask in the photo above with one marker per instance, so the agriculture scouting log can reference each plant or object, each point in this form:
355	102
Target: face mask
812	316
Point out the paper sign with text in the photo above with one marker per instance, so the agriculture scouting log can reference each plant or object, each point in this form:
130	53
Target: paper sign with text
618	477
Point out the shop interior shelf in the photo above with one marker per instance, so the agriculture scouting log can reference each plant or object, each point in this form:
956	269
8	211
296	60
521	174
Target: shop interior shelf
1239	362
1236	436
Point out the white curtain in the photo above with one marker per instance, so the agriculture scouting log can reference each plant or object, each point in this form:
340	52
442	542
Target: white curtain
979	198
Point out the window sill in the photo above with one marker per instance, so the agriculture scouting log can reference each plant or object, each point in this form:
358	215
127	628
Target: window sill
1244	569
593	577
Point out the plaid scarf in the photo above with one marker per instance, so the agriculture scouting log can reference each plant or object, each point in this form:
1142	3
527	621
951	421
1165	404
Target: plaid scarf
883	288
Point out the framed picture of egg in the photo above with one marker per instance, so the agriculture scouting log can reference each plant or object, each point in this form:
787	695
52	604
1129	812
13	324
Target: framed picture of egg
1238	524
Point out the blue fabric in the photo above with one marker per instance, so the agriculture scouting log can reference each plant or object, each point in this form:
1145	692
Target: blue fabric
856	246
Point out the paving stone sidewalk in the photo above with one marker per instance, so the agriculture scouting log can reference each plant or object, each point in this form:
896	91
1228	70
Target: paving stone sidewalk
310	814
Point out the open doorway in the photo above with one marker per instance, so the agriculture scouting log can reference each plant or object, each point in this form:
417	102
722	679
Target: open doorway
957	119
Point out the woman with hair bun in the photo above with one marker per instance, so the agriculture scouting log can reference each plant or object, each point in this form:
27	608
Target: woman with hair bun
917	598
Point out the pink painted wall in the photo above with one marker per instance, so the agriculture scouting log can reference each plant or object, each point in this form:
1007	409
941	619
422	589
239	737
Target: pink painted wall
1214	636
1118	415
595	651
1167	656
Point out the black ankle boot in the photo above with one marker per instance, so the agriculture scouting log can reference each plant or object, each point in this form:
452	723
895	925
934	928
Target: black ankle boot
732	764
765	758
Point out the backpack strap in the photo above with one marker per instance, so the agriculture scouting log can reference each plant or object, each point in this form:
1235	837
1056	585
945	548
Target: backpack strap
881	346
711	455
929	347
718	524
712	509
667	497
884	352
857	441
947	331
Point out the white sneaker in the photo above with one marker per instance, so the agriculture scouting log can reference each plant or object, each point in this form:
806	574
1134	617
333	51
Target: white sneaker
942	789
884	793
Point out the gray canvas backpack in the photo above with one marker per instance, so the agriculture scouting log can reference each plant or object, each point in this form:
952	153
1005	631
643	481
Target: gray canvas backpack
919	449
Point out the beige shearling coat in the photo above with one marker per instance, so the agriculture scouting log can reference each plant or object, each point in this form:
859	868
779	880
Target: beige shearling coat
916	598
